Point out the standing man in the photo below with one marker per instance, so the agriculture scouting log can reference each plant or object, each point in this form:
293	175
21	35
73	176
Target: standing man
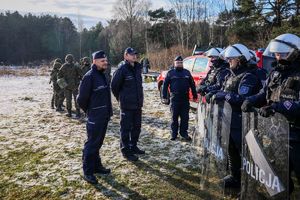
127	87
180	81
85	65
56	89
71	75
95	100
281	93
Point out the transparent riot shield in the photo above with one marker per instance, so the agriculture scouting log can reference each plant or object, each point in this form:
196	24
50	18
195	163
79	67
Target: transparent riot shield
199	132
265	157
214	166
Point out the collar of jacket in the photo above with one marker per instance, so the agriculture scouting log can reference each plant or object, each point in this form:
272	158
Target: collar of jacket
94	67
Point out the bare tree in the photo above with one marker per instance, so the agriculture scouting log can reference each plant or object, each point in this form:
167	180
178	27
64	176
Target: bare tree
130	11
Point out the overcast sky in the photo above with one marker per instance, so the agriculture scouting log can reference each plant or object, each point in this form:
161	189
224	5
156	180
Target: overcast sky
91	11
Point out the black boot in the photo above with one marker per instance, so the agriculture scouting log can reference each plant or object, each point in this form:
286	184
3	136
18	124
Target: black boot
128	154
90	179
102	170
69	114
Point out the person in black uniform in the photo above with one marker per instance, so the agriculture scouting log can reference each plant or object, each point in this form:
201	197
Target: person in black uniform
216	75
180	81
240	83
95	100
281	93
127	87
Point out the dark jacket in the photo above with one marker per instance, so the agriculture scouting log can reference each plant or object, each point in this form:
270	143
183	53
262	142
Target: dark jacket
94	94
127	87
180	81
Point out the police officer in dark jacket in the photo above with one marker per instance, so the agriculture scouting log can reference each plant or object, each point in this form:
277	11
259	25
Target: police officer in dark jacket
281	93
216	75
127	87
95	100
241	82
180	81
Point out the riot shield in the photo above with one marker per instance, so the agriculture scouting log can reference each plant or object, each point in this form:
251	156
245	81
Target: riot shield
265	157
214	166
200	131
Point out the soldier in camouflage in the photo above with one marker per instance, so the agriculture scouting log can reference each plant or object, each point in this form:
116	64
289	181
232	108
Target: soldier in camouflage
85	65
57	91
71	75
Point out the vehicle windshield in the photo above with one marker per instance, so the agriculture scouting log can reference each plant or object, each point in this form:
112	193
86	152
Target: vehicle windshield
200	65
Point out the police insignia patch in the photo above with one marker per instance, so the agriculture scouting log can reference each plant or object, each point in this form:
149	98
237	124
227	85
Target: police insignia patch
244	89
227	97
287	105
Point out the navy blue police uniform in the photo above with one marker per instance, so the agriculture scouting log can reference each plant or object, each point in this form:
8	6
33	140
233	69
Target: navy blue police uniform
127	87
95	100
179	81
215	77
281	94
241	83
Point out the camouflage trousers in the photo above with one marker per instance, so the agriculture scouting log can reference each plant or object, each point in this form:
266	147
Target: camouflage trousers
58	94
68	95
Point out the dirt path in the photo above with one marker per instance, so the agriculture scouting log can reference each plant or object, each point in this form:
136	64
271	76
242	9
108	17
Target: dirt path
41	151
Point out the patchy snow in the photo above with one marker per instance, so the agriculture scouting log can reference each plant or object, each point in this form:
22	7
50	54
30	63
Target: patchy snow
52	144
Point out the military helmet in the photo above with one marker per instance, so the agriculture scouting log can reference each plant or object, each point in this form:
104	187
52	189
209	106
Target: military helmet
238	51
58	60
86	60
288	45
69	58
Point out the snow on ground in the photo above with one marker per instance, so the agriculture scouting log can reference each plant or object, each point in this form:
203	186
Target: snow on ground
41	151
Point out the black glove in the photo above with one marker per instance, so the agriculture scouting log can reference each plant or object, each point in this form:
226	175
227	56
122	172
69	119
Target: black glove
202	90
208	97
266	111
247	106
219	96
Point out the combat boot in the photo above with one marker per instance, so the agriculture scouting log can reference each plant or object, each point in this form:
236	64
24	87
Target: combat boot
102	170
69	114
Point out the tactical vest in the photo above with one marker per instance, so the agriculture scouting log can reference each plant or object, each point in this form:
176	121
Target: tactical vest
233	81
284	86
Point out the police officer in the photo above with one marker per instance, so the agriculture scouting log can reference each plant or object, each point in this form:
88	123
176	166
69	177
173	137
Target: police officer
281	93
127	87
95	100
56	89
146	65
180	81
239	84
85	65
216	75
72	75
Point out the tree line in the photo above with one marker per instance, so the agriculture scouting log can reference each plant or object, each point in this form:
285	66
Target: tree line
31	39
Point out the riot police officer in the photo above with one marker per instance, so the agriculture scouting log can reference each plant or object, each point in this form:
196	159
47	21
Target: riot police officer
217	73
71	75
241	82
180	81
95	100
281	91
127	87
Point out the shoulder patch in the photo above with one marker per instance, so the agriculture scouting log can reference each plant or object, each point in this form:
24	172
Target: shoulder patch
287	105
244	89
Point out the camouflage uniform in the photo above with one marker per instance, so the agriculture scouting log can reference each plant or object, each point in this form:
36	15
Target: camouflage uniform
72	75
85	65
57	91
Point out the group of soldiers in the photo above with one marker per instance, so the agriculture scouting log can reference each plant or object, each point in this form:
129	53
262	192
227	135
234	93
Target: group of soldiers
235	79
65	78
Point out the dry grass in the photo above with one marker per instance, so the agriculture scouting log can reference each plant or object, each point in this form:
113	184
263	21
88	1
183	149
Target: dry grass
24	71
161	60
